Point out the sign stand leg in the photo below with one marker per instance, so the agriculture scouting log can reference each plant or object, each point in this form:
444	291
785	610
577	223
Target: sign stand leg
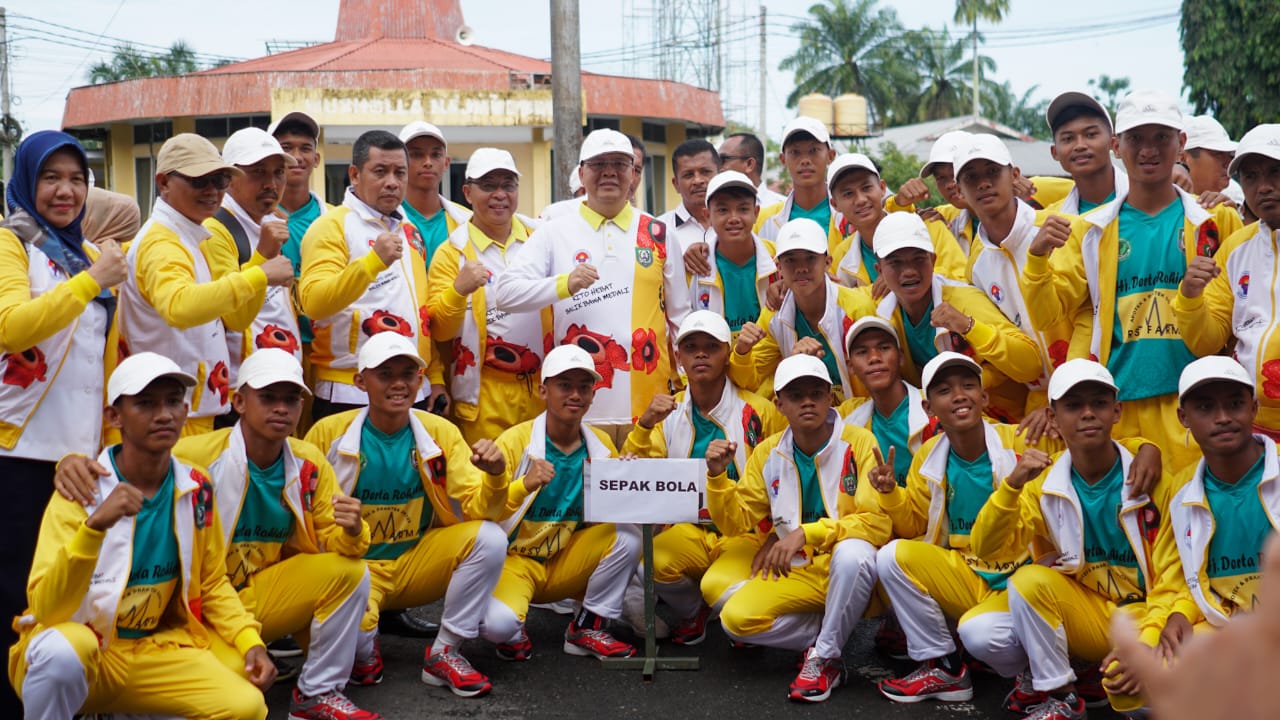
650	663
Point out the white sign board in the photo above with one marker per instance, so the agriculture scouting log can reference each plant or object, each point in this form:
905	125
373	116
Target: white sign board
644	491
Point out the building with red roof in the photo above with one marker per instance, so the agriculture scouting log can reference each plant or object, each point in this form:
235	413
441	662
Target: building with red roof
390	62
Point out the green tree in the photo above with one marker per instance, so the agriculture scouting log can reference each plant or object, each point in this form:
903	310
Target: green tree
943	73
1231	67
127	63
1019	112
897	167
970	12
1112	89
848	46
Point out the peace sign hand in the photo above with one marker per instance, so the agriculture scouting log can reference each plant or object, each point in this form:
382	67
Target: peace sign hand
883	477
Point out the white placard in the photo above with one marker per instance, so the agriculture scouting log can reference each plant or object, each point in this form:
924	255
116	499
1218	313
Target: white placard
644	491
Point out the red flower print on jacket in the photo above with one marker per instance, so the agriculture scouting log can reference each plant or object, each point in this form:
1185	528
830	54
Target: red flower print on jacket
383	321
644	350
24	368
510	357
274	336
1207	239
1058	352
424	321
463	357
1271	378
220	381
607	354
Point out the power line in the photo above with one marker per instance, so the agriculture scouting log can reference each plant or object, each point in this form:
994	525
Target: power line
95	40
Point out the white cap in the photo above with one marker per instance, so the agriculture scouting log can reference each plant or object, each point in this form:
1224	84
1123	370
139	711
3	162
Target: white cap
1148	107
704	321
1073	372
268	367
250	145
801	234
944	150
942	361
982	146
899	231
139	370
797	366
729	179
564	358
1262	140
1205	132
805	124
1074	99
1212	368
603	142
486	159
869	322
418	128
848	161
575	180
383	346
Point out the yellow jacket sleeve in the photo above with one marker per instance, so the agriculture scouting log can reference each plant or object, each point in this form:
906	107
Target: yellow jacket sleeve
426	348
908	507
950	261
220	605
332	537
166	280
1055	285
646	442
1205	320
26	321
737	508
750	370
513	442
65	557
995	340
860	514
219	250
1007	522
448	309
482	496
330	280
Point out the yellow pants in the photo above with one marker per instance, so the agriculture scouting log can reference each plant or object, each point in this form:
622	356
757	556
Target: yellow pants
565	575
730	568
757	604
505	400
685	550
164	674
1048	606
421	575
1156	419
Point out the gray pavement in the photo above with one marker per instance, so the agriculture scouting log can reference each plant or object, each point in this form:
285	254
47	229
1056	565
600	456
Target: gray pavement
732	683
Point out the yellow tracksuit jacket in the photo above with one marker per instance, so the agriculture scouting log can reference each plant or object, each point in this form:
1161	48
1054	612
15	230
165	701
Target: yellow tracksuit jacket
949	261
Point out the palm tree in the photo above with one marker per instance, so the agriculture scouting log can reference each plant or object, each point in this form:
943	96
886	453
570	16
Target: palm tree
127	63
943	73
969	12
1019	112
847	47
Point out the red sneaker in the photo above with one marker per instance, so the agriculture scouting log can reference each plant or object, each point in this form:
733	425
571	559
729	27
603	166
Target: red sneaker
369	672
449	669
329	706
693	630
929	682
518	651
817	678
594	641
1023	696
1056	709
1089	684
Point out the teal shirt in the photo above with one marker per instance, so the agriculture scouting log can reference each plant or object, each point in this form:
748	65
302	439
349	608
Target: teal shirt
894	431
704	431
969	484
1241	527
741	299
299	222
812	506
263	526
869	260
920	337
803	330
1086	206
820	214
1147	352
561	499
154	565
434	230
389	488
1105	543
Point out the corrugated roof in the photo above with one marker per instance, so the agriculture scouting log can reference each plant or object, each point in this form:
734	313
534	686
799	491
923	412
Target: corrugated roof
1029	154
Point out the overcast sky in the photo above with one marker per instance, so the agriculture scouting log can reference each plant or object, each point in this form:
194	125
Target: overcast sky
1058	46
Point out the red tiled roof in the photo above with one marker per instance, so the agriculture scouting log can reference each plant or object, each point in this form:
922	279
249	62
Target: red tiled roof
400	50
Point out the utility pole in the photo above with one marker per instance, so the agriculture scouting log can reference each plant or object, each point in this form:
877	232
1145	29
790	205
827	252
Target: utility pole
566	92
764	82
5	114
977	105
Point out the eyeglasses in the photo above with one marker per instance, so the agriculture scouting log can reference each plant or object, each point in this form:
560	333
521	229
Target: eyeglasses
492	186
619	166
218	180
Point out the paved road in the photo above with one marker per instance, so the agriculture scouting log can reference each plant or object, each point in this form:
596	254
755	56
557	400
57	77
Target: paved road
732	683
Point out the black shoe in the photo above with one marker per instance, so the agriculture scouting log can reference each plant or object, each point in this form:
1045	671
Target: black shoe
284	647
285	670
404	624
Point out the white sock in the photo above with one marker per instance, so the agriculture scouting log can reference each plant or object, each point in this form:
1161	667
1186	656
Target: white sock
444	639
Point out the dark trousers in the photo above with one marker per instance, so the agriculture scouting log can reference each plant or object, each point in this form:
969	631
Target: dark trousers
29	485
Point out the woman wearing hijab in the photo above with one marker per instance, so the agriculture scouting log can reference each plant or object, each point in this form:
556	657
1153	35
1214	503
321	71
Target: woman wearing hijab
110	216
55	308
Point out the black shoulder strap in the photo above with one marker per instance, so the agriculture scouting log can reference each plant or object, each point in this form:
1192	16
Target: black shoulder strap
233	226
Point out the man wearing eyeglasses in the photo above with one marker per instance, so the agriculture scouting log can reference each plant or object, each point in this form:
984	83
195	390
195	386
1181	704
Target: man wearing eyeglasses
171	303
614	287
806	152
435	216
494	356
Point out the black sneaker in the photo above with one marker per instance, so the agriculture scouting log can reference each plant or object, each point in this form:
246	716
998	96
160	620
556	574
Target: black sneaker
284	647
